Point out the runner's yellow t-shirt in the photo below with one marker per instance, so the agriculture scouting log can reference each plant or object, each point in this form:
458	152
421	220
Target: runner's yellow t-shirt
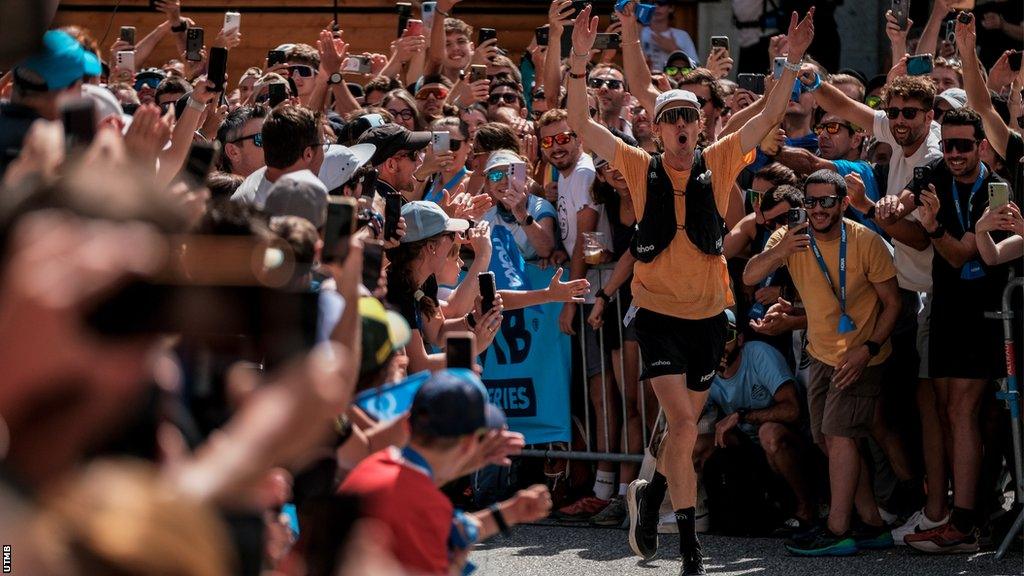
683	281
868	262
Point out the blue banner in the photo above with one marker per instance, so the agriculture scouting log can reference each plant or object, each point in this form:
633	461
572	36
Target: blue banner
527	368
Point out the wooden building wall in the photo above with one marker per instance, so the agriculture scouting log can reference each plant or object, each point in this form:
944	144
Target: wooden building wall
369	25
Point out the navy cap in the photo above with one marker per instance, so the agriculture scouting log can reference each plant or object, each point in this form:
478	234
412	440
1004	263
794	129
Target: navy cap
59	63
453	403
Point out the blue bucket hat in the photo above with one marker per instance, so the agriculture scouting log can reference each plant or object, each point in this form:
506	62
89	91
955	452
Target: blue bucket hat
59	63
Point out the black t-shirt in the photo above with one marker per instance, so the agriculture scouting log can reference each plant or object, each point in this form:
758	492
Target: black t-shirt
15	120
1014	153
992	43
984	292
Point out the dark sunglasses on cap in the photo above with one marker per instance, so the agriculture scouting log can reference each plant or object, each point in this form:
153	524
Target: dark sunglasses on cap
439	93
671	116
507	97
257	139
406	114
598	83
562	138
301	70
673	70
909	112
832	128
959	144
825	202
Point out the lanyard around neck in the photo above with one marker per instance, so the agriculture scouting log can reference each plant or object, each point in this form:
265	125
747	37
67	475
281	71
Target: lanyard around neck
965	217
845	322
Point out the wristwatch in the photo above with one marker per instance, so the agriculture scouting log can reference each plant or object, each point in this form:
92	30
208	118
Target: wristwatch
180	27
742	414
528	221
873	348
939	232
335	78
603	296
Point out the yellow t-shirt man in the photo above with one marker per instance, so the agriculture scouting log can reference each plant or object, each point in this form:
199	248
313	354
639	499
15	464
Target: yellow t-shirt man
683	281
868	261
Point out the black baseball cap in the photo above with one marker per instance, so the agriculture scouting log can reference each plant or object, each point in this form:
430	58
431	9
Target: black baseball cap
390	139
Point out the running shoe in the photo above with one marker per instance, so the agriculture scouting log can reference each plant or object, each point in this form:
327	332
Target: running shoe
582	509
918	522
612	515
643	522
822	542
945	539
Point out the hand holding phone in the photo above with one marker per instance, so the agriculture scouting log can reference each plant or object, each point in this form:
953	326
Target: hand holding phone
194	44
392	212
441	141
488	291
128	34
341	223
460	350
795	217
751	82
998	195
720	42
373	263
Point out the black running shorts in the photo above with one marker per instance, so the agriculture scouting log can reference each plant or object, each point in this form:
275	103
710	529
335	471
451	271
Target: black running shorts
670	345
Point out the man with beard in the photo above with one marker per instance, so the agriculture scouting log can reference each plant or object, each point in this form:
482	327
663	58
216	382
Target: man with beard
846	279
681	283
952	200
610	86
904	122
756	393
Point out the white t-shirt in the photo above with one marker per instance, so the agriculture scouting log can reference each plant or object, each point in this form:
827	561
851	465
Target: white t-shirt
574	194
254	189
913	267
659	57
748	11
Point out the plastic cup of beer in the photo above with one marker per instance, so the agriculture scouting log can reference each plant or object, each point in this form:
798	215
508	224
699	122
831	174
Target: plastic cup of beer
594	244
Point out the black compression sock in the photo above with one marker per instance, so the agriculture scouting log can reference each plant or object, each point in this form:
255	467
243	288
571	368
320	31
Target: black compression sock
686	520
962	519
656	489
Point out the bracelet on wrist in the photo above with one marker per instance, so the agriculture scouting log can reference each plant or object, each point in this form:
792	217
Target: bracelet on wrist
575	55
792	67
499	518
576	76
195	104
443	13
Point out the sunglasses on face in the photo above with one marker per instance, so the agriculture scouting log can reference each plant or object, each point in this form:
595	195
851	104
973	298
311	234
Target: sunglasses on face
909	112
939	113
702	101
562	138
755	197
406	114
538	95
825	202
497	175
959	144
301	70
832	128
673	70
454	145
689	115
873	102
598	83
438	93
257	139
507	97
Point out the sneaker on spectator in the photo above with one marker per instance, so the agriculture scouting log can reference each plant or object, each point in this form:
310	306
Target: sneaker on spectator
887	517
612	515
870	537
945	539
667	524
822	542
791	527
582	509
643	527
918	522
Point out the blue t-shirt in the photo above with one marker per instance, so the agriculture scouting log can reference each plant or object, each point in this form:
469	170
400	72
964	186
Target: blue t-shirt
867	175
537	207
762	371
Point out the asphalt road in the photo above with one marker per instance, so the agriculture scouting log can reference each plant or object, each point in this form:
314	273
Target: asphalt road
585	551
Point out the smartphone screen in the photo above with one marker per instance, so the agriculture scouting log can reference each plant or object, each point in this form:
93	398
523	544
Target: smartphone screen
541	34
607	41
1015	60
277	93
487	291
919	65
341	222
128	34
275	57
392	212
485	35
202	157
404	13
373	263
751	82
720	42
217	69
459	350
79	119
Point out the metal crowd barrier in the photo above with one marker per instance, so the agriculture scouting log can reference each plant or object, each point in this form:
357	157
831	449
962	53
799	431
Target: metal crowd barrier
590	454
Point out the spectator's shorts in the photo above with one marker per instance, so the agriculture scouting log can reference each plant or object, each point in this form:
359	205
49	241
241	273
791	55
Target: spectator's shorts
847	413
924	324
670	345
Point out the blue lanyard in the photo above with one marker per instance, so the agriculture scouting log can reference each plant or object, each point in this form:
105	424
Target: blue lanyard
417	461
965	218
437	194
845	322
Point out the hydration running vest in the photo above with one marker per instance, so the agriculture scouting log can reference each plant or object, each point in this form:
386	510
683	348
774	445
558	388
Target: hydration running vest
704	225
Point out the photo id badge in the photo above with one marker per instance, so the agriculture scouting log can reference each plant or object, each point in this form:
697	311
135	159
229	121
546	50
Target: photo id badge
972	271
756	311
846	324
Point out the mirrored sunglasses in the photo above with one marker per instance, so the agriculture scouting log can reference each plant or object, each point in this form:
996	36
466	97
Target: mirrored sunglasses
562	138
825	202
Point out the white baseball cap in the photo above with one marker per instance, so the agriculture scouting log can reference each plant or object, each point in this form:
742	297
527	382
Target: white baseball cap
502	158
674	99
341	162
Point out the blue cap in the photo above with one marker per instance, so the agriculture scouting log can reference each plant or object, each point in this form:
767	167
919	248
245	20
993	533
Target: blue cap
425	219
453	403
60	62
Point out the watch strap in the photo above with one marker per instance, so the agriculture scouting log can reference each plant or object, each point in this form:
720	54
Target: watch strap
939	232
870	214
577	76
603	296
528	221
179	27
873	347
499	518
